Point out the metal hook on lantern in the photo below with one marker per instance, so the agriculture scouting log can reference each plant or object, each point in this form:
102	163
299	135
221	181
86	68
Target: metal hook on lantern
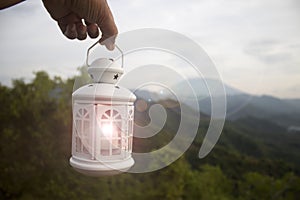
117	47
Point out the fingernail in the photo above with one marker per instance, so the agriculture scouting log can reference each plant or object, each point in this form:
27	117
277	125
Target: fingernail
71	31
81	29
73	28
93	31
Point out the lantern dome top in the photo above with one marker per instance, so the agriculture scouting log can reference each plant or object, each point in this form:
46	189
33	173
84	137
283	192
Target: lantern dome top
104	92
105	70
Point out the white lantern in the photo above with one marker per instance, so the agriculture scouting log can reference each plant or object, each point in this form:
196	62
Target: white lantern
102	122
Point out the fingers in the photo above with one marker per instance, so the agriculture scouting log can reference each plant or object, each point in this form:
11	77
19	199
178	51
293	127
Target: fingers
81	31
72	27
71	31
75	31
92	29
97	12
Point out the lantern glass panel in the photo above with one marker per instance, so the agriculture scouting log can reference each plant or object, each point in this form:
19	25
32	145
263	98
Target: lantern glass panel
82	130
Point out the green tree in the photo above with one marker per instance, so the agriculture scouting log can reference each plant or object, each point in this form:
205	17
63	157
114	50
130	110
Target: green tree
258	186
209	183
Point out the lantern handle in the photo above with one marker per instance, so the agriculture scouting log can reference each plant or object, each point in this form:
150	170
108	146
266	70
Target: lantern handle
117	47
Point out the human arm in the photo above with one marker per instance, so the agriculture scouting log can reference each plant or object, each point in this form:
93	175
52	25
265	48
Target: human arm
79	18
8	3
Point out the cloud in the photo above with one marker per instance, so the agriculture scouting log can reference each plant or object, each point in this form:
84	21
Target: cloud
281	56
269	51
243	38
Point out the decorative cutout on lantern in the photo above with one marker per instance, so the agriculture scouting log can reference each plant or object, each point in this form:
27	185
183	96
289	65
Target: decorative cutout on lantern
102	122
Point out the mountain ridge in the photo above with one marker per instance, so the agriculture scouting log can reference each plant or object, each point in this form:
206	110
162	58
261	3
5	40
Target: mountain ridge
284	112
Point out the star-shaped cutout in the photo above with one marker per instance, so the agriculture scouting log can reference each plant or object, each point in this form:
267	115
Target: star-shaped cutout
116	76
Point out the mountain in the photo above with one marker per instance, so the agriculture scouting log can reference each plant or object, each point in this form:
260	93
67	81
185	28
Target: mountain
284	112
200	87
279	111
185	90
293	102
249	135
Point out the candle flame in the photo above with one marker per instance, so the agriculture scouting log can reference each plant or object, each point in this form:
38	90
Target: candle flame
107	130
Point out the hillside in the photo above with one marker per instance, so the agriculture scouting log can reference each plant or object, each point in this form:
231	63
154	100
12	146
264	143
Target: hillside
249	136
254	158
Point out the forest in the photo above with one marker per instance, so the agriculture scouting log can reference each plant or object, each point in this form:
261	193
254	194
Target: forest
254	158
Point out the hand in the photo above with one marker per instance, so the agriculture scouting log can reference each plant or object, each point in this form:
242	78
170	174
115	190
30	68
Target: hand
96	14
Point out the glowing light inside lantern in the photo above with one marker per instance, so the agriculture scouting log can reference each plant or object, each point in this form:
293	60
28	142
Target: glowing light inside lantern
107	130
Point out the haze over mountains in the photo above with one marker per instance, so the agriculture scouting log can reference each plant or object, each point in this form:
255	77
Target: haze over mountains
283	112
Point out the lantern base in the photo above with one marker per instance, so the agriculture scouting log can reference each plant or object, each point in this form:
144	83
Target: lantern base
97	168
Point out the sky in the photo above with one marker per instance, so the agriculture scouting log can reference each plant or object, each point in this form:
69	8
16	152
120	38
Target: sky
255	44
